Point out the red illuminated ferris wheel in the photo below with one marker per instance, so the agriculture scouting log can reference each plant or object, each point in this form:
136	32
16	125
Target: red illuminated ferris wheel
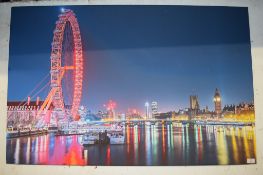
66	60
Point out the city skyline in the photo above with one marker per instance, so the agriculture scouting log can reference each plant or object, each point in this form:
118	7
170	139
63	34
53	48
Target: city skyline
142	59
130	86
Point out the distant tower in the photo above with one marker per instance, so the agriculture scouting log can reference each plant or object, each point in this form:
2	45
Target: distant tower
206	109
154	108
217	101
194	106
147	110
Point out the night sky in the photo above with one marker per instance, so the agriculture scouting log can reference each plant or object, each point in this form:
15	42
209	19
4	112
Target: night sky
135	54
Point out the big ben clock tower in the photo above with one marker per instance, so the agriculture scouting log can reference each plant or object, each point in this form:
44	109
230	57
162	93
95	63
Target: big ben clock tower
217	101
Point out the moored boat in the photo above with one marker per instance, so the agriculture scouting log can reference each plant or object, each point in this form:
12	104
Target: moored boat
89	139
117	139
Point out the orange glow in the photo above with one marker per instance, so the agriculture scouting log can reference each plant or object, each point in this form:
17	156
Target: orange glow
163	145
235	147
111	105
108	156
200	143
244	116
128	138
77	117
73	157
68	67
222	151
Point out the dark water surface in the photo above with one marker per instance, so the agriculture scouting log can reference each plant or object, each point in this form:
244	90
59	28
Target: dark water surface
171	144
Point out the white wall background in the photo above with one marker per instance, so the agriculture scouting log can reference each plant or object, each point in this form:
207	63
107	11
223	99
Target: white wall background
256	34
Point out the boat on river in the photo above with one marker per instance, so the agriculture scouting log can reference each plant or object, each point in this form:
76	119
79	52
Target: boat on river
117	139
89	139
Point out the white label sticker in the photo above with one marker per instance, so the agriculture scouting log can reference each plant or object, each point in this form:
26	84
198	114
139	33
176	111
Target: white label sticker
252	160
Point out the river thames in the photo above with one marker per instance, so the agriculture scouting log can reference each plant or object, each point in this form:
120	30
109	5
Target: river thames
163	144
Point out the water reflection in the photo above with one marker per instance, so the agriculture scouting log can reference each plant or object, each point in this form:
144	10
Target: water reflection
148	146
136	144
164	144
17	151
234	144
221	145
28	150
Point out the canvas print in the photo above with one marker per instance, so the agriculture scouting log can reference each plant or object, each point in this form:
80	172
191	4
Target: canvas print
130	86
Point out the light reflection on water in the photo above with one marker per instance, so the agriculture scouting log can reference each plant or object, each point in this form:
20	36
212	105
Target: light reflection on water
171	144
